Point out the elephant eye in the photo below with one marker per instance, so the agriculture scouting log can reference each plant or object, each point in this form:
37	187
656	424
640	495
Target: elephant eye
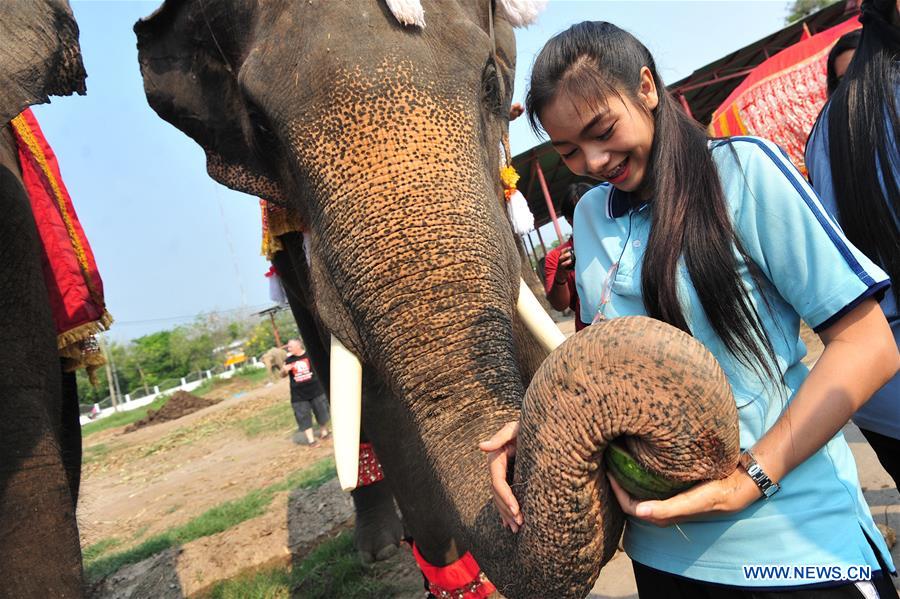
492	88
263	132
259	121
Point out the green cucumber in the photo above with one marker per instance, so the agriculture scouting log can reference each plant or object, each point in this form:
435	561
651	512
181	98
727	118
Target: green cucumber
637	480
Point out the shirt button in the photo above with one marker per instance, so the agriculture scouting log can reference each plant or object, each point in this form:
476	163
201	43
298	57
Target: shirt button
636	243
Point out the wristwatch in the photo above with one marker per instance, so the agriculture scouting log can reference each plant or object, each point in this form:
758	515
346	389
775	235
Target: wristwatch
756	474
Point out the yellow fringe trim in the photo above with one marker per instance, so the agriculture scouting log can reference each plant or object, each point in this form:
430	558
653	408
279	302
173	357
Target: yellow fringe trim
82	332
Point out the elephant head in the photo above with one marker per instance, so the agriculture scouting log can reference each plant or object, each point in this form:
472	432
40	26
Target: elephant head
39	55
385	138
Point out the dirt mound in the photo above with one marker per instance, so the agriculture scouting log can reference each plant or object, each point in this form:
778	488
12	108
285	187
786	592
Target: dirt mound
180	404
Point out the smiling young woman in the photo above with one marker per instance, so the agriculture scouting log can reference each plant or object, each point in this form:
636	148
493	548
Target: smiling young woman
725	240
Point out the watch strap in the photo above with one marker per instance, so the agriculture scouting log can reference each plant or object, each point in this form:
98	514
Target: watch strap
766	485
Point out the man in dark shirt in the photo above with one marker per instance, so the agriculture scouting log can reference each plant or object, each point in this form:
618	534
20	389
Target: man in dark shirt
307	395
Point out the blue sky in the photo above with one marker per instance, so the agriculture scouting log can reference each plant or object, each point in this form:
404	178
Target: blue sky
171	243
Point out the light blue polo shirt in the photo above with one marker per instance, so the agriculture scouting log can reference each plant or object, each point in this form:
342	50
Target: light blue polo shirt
811	272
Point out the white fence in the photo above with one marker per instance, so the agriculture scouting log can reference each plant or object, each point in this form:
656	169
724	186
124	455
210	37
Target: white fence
140	399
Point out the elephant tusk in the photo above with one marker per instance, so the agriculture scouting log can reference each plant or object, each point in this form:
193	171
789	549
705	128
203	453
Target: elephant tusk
537	320
346	408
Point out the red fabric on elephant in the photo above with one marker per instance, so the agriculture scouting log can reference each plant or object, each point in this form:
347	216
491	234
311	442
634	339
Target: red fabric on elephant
370	471
73	282
463	579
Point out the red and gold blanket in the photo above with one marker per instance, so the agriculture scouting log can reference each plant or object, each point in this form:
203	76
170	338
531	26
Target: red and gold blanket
782	97
70	272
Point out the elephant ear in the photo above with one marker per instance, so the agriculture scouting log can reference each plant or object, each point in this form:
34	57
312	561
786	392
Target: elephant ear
39	54
190	55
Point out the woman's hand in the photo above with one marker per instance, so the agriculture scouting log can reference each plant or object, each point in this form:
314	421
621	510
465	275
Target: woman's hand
499	449
728	495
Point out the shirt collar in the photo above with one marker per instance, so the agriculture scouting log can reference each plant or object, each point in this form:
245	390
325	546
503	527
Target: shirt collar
618	203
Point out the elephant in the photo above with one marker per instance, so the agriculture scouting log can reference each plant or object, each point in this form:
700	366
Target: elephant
40	435
382	129
274	360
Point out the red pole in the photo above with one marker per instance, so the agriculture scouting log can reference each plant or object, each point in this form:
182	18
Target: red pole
275	330
685	105
549	201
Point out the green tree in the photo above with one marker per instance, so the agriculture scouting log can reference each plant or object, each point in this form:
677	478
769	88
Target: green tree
174	353
261	337
803	8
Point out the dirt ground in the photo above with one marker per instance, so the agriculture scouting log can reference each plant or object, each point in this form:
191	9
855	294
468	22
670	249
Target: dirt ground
142	483
179	405
139	484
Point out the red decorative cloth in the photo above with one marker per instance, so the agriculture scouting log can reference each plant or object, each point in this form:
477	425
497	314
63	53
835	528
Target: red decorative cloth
70	272
781	98
463	579
369	467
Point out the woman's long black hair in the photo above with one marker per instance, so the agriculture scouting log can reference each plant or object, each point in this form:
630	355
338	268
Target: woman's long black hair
592	61
863	132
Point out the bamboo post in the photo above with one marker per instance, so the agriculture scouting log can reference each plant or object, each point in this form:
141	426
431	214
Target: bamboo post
109	373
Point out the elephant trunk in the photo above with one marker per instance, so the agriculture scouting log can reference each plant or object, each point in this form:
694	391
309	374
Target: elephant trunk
632	377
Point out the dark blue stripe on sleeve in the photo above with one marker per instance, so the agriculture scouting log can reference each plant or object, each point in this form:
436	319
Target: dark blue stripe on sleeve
794	177
876	291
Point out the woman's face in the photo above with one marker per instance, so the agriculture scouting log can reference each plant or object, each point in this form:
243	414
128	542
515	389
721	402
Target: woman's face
610	143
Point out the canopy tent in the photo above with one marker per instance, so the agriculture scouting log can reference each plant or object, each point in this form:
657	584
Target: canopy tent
705	90
781	98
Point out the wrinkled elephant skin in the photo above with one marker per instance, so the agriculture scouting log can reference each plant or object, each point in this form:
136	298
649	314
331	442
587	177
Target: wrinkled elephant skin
40	442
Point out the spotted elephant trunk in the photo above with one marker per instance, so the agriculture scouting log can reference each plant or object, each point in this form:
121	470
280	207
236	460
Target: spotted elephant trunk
634	378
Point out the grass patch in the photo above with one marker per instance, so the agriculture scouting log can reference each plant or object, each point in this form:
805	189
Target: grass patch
210	522
274	418
121	418
92	552
331	570
248	374
252	374
95	453
309	478
274	583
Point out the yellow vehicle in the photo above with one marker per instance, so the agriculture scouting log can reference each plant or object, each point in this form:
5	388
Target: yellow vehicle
235	358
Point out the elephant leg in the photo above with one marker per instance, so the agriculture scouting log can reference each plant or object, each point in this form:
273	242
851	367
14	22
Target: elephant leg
70	434
40	555
378	530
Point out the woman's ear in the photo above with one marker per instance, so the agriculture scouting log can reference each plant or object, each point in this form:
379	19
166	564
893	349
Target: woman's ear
647	91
